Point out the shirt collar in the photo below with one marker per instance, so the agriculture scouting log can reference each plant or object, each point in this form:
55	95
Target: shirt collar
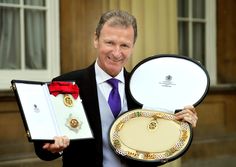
102	76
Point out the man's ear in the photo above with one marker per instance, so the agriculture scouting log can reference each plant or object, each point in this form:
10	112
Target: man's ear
95	40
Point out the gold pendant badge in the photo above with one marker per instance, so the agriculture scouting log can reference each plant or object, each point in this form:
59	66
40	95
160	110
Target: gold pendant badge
68	100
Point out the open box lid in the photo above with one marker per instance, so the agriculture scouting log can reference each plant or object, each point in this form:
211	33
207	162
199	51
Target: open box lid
47	114
168	82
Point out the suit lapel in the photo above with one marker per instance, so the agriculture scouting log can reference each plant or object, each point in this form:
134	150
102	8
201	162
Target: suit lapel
89	98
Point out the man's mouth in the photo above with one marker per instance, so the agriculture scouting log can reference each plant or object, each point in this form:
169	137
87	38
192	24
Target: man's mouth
114	59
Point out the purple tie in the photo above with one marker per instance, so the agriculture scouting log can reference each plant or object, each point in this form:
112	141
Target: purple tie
114	97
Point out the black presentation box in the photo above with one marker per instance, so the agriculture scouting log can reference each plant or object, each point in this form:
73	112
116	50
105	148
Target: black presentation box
46	115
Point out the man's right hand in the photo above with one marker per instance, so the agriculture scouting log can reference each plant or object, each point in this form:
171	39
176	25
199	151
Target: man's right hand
60	143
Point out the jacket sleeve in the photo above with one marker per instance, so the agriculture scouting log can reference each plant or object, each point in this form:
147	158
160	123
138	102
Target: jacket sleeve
44	154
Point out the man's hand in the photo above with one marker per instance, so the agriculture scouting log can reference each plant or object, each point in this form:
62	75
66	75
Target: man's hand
60	143
188	114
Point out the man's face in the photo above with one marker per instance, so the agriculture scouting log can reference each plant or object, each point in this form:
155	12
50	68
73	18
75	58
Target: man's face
115	46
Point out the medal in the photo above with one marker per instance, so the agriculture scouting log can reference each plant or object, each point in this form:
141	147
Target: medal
73	123
153	124
68	100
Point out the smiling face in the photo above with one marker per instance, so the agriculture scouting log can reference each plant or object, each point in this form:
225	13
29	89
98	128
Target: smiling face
114	46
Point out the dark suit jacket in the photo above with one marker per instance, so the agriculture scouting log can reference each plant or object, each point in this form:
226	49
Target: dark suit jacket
87	151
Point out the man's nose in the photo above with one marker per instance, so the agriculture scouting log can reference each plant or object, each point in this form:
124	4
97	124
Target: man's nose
117	51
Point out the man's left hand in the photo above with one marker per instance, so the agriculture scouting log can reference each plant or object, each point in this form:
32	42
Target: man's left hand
188	114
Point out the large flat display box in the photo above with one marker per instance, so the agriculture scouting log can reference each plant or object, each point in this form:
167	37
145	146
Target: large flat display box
163	85
47	111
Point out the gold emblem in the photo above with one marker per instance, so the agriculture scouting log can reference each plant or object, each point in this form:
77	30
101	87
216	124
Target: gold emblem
68	100
152	125
73	123
117	143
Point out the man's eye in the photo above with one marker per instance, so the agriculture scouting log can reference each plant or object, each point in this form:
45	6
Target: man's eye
124	46
109	43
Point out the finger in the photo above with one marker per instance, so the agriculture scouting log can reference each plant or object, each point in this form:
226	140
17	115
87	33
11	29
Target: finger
188	117
186	112
46	145
191	119
66	141
58	142
182	114
62	142
190	108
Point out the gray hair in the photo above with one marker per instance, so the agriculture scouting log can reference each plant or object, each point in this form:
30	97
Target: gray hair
117	18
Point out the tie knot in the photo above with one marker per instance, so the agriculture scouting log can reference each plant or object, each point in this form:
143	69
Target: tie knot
113	82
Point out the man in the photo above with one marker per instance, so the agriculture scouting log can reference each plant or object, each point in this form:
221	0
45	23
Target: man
114	40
